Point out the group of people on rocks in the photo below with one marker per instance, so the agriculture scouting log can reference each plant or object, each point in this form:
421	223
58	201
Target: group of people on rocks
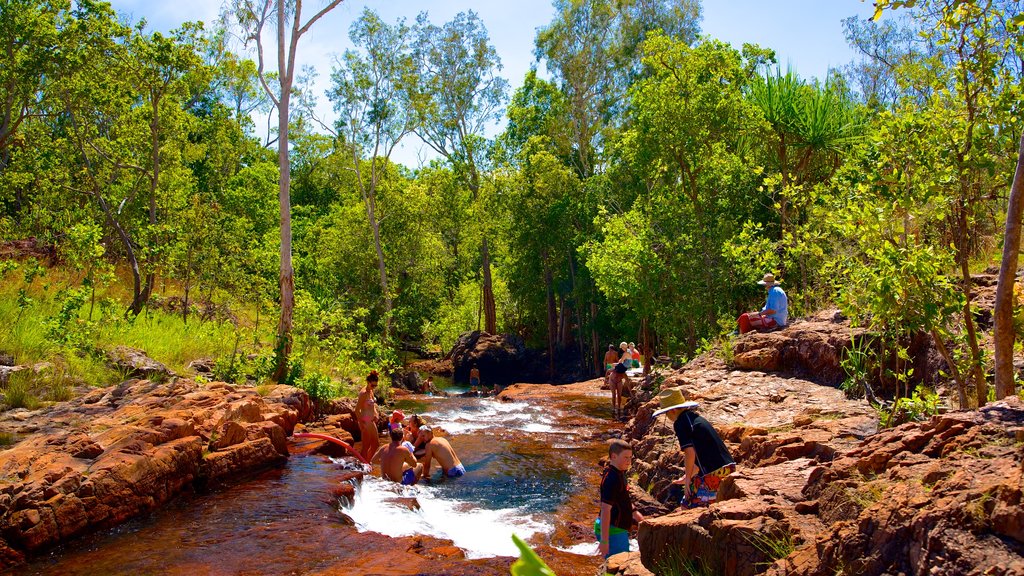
616	366
706	459
413	446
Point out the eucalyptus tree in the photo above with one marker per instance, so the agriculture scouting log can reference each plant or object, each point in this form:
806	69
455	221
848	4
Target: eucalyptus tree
370	95
968	113
458	93
882	48
592	47
255	17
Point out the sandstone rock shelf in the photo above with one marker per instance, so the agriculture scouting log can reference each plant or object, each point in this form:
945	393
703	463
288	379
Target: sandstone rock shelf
117	452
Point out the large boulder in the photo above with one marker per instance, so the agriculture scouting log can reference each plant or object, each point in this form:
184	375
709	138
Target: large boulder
134	363
940	497
500	358
815	347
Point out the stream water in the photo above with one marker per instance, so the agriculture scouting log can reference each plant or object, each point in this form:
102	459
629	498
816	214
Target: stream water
523	463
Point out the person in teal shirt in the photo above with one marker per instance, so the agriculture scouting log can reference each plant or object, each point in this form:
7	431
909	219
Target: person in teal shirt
774	314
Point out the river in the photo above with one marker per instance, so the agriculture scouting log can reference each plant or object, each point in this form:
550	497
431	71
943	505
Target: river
531	471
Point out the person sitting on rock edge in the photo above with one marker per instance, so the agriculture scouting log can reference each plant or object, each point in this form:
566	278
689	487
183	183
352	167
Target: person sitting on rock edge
707	460
774	314
442	450
617	515
396	462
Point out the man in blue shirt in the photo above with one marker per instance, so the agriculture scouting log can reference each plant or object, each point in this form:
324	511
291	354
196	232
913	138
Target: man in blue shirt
775	313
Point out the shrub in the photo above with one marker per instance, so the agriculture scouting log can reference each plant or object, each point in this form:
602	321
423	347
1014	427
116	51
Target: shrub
319	387
19	392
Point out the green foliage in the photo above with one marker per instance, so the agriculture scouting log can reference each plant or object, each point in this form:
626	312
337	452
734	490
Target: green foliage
857	364
319	387
674	564
529	563
773	545
19	393
923	404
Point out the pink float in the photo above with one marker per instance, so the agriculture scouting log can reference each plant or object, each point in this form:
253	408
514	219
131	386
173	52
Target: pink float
331	439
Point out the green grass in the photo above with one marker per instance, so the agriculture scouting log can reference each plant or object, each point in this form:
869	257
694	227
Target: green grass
674	564
774	545
40	326
19	393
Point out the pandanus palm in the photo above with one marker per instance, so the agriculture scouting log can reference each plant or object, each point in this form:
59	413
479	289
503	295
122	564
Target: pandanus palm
810	122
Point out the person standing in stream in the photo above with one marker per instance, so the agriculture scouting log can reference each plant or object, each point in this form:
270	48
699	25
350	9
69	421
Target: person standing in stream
617	514
366	417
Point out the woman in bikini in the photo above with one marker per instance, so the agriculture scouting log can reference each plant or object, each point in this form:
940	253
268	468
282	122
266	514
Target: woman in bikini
366	414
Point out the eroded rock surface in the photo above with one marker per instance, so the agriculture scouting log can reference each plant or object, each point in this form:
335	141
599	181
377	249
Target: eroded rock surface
117	452
819	491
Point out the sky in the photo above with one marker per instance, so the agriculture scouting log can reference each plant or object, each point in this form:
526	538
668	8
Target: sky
805	34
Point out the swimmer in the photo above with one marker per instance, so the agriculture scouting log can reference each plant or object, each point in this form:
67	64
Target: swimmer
440	449
366	414
396	462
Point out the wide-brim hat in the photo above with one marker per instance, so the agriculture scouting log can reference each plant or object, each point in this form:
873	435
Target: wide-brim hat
769	280
672	399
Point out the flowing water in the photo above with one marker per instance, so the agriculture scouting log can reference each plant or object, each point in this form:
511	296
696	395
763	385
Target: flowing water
523	462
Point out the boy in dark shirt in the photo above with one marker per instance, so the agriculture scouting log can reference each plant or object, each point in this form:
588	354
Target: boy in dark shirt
707	459
617	514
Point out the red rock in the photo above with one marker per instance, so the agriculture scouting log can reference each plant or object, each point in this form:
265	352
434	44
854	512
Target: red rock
118	452
227	434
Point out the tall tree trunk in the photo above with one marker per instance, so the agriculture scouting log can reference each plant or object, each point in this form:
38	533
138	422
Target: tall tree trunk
1004	334
598	362
490	310
371	213
286	277
154	188
980	386
188	284
551	320
133	262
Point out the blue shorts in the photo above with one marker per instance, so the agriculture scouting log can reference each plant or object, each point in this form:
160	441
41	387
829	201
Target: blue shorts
474	381
408	477
459	470
618	539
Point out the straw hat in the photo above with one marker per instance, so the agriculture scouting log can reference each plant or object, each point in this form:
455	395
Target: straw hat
672	399
622	346
769	280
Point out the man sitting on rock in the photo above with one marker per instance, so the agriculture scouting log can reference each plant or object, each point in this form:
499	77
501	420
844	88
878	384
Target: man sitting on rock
706	458
441	449
396	462
775	313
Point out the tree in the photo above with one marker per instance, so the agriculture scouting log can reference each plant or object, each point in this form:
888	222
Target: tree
457	95
370	96
254	16
30	35
1004	333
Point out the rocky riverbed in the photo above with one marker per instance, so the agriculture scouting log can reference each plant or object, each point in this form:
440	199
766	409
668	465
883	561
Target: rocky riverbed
819	490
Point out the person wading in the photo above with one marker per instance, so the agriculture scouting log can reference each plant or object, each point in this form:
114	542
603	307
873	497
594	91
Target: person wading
366	415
